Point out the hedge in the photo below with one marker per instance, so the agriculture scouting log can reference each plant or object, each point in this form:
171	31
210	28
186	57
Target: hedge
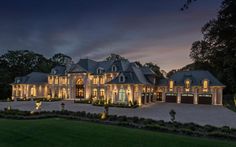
189	129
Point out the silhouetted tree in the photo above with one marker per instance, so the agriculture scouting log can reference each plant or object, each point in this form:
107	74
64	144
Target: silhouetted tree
154	68
218	48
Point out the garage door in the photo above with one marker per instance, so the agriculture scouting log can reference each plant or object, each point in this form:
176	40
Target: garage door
187	98
171	98
205	99
143	98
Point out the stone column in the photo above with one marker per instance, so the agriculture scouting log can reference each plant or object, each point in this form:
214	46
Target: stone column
195	97
179	97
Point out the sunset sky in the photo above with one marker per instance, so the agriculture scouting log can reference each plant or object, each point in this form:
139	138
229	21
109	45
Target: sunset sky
144	30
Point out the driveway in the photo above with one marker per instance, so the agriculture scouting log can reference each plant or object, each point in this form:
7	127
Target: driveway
200	114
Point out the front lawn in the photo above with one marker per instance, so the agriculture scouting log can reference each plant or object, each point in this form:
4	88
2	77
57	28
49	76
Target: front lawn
62	133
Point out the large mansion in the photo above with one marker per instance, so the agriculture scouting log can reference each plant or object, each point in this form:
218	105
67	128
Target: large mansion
118	81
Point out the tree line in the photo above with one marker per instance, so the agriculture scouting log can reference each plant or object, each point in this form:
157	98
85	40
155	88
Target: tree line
22	62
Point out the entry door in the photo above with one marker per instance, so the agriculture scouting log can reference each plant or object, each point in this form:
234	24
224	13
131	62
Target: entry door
79	91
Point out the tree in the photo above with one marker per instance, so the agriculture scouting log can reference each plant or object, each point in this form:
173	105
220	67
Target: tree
187	4
172	114
19	63
218	48
61	59
155	68
170	73
114	57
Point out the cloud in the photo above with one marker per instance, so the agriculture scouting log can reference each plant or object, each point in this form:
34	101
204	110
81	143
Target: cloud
140	30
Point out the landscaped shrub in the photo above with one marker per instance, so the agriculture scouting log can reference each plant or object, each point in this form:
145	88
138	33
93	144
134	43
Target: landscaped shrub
122	118
83	101
23	99
189	129
112	117
172	115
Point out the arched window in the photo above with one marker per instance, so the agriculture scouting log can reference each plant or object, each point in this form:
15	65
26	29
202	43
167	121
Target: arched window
102	93
122	78
187	85
33	91
94	92
122	95
205	85
79	81
171	85
114	68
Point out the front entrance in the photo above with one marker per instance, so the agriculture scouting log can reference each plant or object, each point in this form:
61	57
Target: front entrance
159	96
79	89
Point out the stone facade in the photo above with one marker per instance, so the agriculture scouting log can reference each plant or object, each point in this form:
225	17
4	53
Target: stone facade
118	85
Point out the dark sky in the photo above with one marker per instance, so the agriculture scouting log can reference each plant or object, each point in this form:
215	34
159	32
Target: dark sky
143	30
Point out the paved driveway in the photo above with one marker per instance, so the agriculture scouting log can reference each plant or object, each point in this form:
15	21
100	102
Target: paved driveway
200	114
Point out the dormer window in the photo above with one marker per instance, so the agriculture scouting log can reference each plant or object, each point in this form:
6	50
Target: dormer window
171	85
122	78
187	85
114	68
205	85
99	71
54	71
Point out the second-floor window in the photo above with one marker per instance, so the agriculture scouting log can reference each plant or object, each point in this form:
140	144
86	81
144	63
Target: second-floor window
114	68
171	85
205	86
187	85
95	80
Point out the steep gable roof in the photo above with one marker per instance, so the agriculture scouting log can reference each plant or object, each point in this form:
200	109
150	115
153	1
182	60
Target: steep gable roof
196	78
58	70
32	78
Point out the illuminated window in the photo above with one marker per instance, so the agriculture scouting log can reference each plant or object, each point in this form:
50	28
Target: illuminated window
171	85
95	80
187	85
56	80
33	91
94	92
102	92
144	89
101	80
205	86
122	95
79	81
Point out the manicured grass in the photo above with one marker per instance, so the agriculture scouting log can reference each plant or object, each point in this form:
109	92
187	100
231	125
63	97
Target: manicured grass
63	133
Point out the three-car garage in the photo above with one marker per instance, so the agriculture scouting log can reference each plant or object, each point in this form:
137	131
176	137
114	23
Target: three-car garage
188	98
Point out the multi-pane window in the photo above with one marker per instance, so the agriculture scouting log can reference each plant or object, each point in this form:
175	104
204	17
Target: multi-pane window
205	86
94	92
187	85
171	85
95	80
101	80
102	92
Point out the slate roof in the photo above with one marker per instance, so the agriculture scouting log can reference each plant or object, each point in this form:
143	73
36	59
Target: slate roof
88	64
196	78
147	71
32	78
77	68
133	75
58	70
163	82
